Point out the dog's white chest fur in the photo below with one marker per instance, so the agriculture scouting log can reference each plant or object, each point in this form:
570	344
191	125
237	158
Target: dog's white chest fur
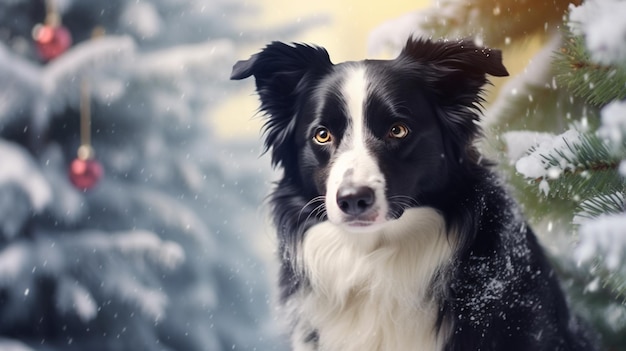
371	291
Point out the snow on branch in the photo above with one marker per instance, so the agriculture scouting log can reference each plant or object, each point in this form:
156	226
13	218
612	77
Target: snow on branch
13	260
72	296
613	128
167	253
551	157
132	243
179	216
196	61
63	77
20	83
613	131
151	301
601	23
603	236
519	142
45	90
142	19
127	276
175	75
13	345
113	266
69	204
575	163
25	173
570	152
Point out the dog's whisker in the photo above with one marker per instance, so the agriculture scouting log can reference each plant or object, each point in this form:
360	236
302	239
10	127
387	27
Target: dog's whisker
399	203
320	198
315	211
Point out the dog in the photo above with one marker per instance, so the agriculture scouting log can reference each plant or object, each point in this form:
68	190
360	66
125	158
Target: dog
394	233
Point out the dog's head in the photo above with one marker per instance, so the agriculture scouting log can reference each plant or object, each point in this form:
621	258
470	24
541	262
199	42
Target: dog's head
372	137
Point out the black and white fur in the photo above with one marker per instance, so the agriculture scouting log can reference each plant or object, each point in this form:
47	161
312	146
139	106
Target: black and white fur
394	233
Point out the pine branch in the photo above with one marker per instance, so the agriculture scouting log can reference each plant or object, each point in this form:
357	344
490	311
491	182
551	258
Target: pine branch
603	28
593	299
25	173
600	250
13	345
575	166
599	205
582	183
72	297
614	281
20	84
62	78
596	84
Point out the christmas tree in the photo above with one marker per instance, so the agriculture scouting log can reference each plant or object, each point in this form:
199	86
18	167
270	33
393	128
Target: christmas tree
145	239
559	131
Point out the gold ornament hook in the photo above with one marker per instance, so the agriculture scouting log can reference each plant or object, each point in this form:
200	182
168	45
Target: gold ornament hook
85	151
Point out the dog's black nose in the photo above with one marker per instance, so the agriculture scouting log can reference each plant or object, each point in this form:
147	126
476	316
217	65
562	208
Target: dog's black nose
355	200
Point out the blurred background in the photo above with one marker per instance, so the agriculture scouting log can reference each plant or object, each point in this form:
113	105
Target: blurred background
132	185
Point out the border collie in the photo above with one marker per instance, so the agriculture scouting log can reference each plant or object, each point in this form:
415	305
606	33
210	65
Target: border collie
394	233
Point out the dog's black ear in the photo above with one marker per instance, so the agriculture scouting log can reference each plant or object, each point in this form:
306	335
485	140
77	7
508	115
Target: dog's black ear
463	55
459	66
279	69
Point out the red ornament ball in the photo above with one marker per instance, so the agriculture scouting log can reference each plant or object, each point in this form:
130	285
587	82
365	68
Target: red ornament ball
52	41
85	173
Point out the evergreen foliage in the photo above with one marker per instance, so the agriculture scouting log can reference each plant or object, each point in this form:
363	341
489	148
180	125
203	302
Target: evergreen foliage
156	256
595	83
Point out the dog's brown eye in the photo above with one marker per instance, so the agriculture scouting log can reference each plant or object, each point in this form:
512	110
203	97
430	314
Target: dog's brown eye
398	131
322	136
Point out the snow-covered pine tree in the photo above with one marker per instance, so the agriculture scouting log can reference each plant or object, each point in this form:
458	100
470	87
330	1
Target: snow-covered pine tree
560	126
158	255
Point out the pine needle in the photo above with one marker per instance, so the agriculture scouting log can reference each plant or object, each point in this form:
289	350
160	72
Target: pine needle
596	84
